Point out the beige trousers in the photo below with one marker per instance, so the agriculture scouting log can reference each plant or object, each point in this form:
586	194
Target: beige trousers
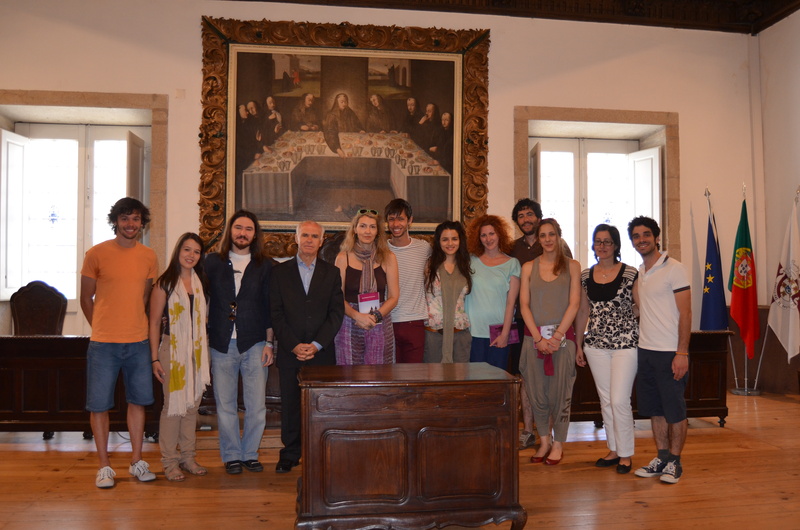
176	436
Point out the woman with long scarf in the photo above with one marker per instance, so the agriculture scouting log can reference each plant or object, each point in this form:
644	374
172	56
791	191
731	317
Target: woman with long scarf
371	287
179	352
448	280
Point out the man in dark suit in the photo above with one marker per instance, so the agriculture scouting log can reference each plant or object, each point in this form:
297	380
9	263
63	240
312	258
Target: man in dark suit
307	311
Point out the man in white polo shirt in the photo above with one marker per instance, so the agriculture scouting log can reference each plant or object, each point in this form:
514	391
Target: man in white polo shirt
665	309
408	317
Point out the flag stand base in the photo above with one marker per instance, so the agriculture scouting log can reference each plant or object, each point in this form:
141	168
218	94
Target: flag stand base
746	391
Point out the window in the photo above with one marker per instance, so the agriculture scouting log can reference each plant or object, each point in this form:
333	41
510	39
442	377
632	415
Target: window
649	128
582	183
55	199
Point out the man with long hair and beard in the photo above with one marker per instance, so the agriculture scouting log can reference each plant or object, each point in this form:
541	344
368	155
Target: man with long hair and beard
240	338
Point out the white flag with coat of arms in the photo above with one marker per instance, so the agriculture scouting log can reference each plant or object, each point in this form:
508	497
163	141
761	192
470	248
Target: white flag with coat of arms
784	312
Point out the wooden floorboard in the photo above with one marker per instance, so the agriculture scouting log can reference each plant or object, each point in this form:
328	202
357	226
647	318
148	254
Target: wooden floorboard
743	475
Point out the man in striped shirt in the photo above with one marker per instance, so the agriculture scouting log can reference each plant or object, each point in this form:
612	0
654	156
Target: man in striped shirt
412	254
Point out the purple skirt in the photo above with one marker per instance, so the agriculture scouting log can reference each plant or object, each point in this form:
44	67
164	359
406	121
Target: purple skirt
359	346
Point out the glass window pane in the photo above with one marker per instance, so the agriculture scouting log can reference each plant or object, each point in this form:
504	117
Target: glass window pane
110	184
50	218
558	191
610	191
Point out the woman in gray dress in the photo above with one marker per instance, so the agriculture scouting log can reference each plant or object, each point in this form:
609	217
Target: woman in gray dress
550	294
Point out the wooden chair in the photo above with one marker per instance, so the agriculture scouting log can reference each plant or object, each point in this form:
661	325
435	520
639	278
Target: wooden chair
38	309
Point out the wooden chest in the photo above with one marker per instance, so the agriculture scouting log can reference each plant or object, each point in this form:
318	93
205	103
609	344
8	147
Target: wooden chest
409	446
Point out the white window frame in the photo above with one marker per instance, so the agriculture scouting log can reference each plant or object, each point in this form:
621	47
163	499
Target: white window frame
86	135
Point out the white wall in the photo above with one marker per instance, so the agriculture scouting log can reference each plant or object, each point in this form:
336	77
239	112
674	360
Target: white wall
153	46
780	75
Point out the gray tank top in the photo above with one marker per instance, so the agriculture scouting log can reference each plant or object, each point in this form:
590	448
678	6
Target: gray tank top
549	300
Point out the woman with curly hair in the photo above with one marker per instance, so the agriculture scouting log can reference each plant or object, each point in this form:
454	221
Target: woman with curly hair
549	299
495	285
370	282
448	279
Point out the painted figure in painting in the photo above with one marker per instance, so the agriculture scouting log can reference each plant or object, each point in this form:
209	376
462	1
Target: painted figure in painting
304	115
340	118
379	117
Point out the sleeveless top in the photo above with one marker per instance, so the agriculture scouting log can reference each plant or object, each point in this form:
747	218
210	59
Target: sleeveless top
352	281
549	300
612	324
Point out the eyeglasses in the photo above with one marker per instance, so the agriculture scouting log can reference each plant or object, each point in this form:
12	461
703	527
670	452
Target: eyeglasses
603	243
232	316
362	211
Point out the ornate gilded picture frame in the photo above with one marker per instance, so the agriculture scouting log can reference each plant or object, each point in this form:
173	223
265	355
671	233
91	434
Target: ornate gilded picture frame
304	120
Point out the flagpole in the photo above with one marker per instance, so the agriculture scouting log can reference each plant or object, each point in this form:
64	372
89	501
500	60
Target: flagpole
760	359
730	342
744	390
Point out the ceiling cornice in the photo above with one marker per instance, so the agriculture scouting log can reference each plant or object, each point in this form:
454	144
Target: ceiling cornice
736	16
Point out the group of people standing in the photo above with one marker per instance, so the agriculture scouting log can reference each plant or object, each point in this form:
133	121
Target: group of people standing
622	322
472	295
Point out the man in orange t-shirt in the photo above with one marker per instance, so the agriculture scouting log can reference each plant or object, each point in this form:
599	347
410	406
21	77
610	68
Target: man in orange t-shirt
116	279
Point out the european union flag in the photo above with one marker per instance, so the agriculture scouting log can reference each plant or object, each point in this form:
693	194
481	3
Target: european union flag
714	313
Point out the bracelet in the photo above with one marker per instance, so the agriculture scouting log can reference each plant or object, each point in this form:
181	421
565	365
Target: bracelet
270	344
155	361
538	341
682	353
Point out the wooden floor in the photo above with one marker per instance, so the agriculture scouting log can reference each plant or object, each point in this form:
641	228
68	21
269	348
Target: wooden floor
745	475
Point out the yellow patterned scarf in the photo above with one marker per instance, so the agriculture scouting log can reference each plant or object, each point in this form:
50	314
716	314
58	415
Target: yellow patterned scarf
188	347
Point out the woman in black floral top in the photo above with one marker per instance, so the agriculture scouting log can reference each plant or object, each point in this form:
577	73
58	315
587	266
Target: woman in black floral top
608	301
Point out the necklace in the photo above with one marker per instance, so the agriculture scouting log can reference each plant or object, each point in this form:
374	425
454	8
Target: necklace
603	274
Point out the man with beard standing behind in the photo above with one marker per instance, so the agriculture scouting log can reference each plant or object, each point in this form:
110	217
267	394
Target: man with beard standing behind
240	339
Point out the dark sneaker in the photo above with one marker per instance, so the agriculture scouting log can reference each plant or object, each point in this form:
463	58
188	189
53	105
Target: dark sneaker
654	469
672	473
234	467
253	465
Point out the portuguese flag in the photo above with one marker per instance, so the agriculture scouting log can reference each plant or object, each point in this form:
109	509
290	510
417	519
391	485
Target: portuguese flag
742	285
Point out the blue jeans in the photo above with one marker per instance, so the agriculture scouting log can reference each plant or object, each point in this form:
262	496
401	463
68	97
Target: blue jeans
225	370
481	352
104	360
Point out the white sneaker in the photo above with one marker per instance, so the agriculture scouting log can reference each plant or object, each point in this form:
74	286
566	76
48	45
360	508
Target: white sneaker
105	478
141	470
